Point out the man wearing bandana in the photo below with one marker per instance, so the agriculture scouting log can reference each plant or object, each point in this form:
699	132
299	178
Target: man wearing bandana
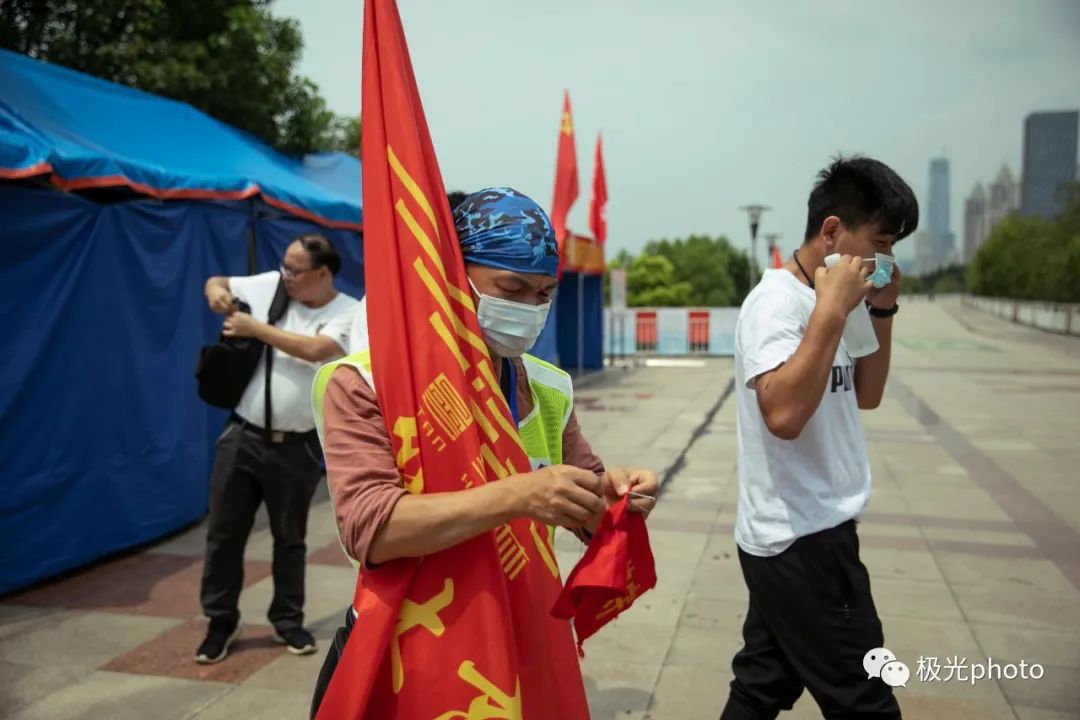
511	260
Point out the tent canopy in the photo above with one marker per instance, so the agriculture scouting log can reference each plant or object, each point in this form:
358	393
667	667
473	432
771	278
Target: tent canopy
110	313
84	133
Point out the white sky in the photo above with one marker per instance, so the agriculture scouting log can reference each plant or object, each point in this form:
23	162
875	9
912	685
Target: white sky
706	106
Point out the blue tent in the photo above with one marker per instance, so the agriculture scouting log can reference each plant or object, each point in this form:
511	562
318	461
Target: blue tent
104	444
579	312
88	133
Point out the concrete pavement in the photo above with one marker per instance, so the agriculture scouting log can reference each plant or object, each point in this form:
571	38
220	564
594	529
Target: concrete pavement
972	540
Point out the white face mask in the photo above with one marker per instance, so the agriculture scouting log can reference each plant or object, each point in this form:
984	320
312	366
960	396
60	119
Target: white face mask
510	328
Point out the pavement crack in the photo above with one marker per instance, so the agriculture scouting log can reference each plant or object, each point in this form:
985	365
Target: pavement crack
669	474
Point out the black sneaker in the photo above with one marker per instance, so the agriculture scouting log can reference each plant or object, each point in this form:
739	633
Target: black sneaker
298	641
216	645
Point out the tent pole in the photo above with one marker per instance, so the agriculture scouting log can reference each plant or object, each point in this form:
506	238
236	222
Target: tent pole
251	237
611	338
581	323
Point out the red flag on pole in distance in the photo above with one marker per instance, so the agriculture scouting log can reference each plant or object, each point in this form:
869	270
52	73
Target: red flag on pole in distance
598	203
566	180
775	260
466	632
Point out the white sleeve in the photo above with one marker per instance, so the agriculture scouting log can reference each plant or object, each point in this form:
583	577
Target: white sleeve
358	335
339	328
768	334
256	290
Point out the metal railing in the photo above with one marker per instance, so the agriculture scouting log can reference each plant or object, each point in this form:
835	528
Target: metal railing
1062	318
670	331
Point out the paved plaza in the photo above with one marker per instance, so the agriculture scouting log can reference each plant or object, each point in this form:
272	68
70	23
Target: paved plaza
972	540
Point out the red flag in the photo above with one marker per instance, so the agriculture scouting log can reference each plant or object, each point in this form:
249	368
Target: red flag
566	185
616	569
598	203
775	260
466	632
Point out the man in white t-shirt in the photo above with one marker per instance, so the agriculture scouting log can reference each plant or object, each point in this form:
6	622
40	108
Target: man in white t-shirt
280	464
358	331
804	477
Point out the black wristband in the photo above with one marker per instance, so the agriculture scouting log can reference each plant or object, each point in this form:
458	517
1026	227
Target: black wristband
882	313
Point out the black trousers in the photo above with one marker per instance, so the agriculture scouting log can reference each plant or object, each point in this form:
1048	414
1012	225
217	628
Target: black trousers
333	656
247	472
810	622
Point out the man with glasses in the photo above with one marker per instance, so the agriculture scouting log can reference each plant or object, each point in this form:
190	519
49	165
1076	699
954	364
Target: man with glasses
280	464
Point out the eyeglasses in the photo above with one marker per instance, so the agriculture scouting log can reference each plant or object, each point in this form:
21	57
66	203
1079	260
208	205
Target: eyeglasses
289	274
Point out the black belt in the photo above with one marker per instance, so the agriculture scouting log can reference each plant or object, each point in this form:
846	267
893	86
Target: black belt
278	437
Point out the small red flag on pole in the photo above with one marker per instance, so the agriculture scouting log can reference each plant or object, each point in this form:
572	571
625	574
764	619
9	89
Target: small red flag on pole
598	203
566	180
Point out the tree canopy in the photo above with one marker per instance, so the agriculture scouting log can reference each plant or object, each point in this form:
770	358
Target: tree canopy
698	271
232	59
1030	258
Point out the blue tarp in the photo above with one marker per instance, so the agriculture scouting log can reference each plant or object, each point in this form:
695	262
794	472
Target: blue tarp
84	132
274	232
592	321
104	443
547	345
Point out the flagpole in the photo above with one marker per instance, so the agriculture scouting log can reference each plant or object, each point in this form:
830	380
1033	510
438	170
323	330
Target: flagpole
580	323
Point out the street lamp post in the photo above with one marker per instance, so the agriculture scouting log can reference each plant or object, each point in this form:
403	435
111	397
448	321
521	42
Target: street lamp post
754	213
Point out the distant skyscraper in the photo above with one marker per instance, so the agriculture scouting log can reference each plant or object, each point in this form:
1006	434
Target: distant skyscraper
1002	197
983	210
974	221
924	253
941	238
1050	140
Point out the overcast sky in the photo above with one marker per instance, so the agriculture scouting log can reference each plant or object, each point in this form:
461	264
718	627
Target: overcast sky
706	106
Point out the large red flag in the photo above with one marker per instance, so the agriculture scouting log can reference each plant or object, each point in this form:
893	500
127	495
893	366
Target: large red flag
566	184
598	203
466	632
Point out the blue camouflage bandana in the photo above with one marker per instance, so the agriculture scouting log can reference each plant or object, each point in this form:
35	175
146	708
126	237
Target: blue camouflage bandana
501	228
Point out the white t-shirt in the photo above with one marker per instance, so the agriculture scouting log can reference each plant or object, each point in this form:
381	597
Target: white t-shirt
291	379
358	332
792	488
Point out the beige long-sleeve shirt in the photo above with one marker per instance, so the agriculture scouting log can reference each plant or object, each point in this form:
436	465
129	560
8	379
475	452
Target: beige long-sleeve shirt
364	480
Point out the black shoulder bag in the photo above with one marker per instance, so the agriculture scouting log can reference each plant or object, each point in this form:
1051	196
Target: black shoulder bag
225	369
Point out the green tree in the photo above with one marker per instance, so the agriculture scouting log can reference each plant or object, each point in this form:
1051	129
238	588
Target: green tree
717	273
1031	258
1005	265
230	58
699	271
949	279
650	282
1065	261
345	134
622	259
950	282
